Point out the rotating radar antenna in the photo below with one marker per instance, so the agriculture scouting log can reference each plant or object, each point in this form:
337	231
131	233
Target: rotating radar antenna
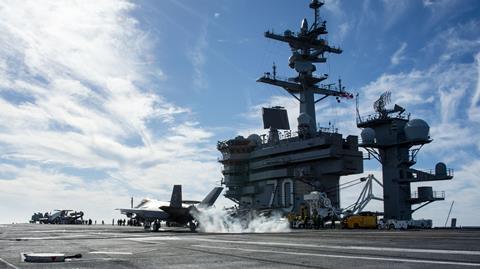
382	101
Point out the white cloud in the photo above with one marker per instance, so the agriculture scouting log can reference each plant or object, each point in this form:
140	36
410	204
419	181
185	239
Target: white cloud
428	2
474	109
440	95
334	7
398	56
393	11
65	39
161	75
337	12
75	69
436	3
439	84
198	59
343	30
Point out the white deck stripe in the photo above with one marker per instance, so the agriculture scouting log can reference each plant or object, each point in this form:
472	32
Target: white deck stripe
345	256
8	264
410	250
50	231
53	237
118	234
156	238
111	252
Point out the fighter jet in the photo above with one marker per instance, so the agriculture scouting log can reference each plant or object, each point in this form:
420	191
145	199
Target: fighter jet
176	211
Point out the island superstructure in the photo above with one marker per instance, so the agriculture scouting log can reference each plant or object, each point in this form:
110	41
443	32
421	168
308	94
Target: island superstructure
275	171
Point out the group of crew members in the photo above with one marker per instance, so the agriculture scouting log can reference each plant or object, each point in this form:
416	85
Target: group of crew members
307	220
120	222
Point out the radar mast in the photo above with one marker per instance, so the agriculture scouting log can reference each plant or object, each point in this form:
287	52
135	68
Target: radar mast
276	171
308	47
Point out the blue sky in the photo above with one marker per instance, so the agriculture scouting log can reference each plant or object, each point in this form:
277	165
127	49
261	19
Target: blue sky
103	100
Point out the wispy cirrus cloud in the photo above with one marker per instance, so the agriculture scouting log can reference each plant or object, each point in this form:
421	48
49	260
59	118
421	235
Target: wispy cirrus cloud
398	56
198	60
393	11
474	109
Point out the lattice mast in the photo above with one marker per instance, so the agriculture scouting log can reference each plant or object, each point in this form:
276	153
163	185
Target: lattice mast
308	48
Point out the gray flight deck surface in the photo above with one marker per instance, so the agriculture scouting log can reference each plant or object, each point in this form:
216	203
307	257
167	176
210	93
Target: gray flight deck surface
105	246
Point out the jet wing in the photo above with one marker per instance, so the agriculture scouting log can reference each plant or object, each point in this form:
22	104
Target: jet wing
145	213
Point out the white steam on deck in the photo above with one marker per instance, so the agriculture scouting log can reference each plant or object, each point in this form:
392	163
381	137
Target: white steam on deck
214	220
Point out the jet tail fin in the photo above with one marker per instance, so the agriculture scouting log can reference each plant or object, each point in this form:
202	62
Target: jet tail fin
210	199
176	200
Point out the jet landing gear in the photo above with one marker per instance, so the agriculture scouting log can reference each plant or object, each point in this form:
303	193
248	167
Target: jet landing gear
153	226
156	226
193	225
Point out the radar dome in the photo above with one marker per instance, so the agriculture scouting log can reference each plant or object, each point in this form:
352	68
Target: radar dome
239	137
255	139
440	169
417	129
303	119
368	135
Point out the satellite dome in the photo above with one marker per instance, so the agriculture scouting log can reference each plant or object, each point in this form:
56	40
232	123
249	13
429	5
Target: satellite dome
440	169
303	119
304	66
291	60
368	135
255	139
417	129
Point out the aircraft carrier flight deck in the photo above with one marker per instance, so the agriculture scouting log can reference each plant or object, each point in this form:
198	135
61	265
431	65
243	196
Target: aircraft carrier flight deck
106	246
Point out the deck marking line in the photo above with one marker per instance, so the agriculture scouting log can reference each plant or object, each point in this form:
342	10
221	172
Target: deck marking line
111	252
411	250
8	264
343	256
50	231
117	234
154	238
53	237
148	241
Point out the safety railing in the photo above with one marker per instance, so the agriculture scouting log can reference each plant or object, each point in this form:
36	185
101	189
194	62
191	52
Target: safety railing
378	116
449	172
436	195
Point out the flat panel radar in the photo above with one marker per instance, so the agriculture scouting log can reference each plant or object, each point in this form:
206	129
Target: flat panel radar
275	118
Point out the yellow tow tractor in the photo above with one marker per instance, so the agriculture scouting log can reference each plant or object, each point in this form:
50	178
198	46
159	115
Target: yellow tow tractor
362	220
